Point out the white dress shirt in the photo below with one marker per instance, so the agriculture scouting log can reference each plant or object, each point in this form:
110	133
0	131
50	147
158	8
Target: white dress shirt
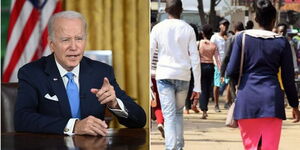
177	51
70	125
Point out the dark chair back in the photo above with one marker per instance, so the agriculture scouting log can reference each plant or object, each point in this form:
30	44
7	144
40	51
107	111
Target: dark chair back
8	100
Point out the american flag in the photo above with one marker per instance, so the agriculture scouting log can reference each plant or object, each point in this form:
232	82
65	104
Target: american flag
27	34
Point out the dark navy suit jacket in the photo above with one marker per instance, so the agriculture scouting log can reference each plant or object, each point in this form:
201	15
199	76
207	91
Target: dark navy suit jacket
259	94
35	113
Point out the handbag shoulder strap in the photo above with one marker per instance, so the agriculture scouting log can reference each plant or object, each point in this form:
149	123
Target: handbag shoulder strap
242	59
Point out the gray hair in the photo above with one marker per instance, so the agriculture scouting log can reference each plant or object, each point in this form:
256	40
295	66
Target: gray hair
68	15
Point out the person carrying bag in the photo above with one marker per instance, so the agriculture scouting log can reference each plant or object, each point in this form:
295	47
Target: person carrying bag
230	122
259	109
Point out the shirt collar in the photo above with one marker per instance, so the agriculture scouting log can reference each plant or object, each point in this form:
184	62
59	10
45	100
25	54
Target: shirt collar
258	33
63	71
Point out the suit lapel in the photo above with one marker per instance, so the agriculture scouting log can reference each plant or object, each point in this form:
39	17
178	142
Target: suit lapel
57	85
84	81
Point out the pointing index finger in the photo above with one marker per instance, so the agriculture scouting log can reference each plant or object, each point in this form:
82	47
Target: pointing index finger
105	82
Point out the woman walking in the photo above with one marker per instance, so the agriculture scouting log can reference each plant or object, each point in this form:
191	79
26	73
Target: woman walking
208	50
260	101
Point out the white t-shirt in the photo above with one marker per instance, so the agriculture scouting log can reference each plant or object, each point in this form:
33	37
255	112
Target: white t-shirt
177	51
220	42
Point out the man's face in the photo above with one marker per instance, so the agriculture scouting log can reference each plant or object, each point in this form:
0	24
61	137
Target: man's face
223	28
281	30
69	42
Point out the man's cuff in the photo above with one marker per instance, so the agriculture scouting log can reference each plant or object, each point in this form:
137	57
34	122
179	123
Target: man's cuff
122	112
197	90
70	126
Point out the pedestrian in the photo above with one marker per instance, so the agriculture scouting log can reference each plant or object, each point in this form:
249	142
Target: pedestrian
282	29
155	97
219	39
177	54
238	27
208	53
249	25
189	103
259	107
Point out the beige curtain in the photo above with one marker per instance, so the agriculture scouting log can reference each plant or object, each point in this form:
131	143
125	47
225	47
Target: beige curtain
123	27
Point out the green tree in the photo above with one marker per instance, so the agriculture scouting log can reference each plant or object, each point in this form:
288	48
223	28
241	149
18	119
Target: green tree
212	14
201	12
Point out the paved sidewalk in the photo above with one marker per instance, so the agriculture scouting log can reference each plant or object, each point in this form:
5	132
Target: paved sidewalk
211	134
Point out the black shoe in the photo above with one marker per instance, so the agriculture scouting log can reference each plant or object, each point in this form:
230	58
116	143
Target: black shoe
204	115
160	128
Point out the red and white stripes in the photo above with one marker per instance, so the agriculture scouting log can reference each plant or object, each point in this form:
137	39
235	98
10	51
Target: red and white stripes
27	35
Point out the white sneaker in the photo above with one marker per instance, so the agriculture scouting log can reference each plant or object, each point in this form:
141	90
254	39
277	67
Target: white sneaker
160	128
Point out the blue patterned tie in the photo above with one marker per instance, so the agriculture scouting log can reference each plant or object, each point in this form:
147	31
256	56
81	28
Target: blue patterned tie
73	95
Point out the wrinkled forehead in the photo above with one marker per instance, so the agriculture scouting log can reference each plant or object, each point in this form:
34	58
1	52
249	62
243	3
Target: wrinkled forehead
72	26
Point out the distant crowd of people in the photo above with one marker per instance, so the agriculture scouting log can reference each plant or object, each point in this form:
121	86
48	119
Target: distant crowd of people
187	71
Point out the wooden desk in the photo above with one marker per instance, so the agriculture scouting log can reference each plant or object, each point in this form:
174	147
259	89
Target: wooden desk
123	139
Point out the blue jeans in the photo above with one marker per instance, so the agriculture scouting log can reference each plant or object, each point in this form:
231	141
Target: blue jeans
172	95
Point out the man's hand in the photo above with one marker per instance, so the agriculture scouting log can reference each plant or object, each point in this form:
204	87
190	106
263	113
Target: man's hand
222	79
90	126
296	113
106	95
195	96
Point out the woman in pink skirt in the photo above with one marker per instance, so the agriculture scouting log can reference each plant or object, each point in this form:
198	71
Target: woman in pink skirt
260	101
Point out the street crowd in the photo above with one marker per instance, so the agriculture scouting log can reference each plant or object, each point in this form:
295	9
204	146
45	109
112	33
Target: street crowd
254	68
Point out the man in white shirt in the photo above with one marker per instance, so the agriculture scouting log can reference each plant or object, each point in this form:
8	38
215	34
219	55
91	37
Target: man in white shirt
177	53
219	39
67	93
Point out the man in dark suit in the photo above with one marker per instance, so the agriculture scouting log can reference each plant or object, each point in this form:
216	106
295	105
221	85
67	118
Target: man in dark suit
67	93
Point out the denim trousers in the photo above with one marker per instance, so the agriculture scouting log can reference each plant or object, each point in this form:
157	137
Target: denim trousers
172	94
